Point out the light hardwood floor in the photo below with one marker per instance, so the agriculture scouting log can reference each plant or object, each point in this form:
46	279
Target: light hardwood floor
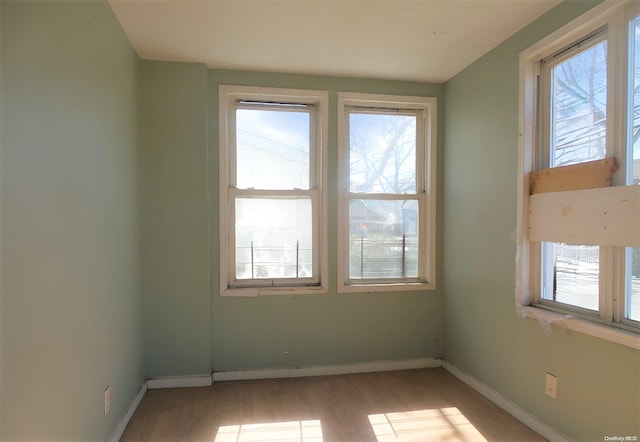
410	405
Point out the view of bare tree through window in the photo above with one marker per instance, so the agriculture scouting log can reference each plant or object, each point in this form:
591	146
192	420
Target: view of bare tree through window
578	123
383	233
382	154
578	133
579	108
633	143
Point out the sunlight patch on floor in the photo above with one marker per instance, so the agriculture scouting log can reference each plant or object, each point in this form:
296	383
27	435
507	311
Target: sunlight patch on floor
298	431
444	424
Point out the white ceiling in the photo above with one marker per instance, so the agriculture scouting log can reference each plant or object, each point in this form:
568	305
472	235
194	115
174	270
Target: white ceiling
422	40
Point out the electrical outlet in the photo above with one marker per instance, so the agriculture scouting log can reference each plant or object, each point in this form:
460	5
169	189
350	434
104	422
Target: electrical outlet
107	399
551	387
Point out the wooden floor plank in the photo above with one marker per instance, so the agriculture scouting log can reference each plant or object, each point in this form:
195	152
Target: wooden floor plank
408	405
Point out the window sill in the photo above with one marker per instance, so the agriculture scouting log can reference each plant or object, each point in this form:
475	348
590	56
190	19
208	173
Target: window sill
246	292
548	318
379	287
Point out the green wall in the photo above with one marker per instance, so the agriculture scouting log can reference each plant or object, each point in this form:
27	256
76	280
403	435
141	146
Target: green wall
174	223
69	249
180	275
109	239
318	329
598	381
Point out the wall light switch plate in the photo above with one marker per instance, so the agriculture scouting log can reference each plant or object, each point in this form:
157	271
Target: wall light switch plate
551	387
107	400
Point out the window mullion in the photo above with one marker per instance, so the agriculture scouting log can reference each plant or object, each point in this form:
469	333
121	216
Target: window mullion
613	266
619	285
607	283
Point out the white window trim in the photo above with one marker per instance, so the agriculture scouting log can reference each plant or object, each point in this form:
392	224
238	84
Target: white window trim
428	220
616	15
228	95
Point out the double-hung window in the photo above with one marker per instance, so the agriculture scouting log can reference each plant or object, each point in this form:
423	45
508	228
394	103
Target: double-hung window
272	198
573	94
579	199
386	192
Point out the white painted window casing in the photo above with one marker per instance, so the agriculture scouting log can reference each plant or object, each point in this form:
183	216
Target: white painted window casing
615	207
257	187
415	246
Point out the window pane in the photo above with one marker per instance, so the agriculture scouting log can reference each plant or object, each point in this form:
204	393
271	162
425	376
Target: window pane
272	149
632	304
383	239
382	153
633	283
578	134
578	110
273	238
634	126
571	274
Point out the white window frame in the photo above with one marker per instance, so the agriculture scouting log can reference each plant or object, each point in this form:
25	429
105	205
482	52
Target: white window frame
426	109
229	96
608	323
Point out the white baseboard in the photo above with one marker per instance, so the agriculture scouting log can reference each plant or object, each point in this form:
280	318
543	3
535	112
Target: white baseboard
180	381
514	410
325	370
168	382
122	425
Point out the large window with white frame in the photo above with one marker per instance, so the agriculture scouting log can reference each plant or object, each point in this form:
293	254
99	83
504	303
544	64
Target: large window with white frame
573	94
386	166
272	198
578	255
